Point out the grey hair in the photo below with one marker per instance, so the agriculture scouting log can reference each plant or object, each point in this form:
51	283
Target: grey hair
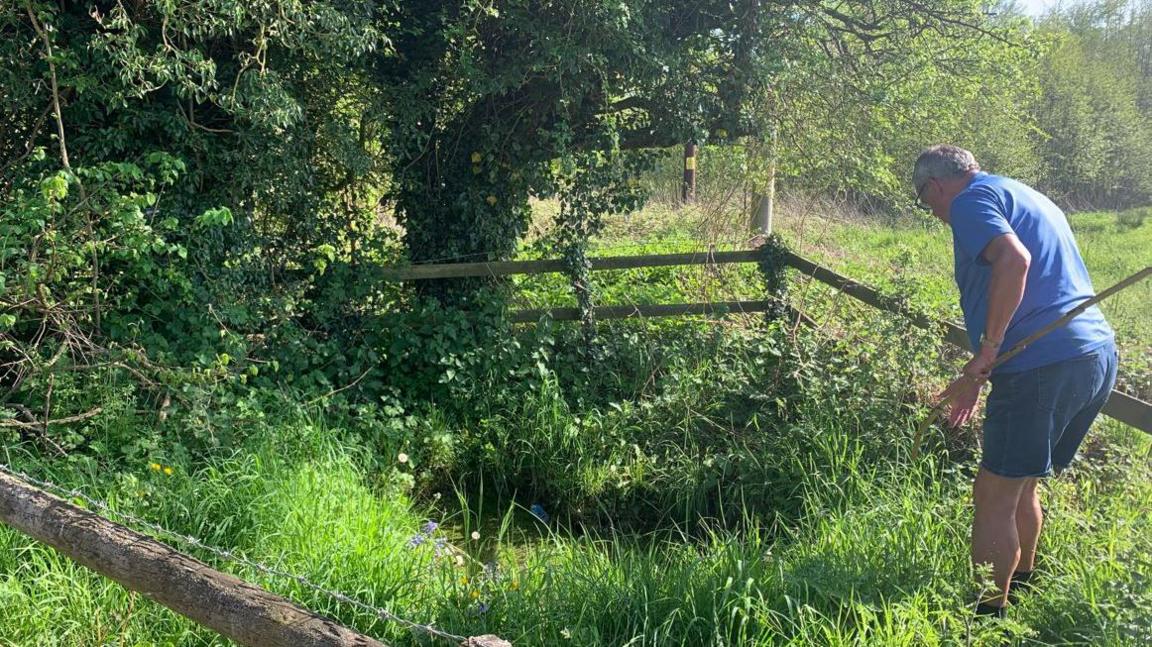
943	161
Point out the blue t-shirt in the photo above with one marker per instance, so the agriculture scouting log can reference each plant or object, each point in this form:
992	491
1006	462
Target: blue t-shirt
1057	280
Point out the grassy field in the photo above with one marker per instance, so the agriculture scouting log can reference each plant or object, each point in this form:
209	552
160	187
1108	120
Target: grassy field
744	484
878	556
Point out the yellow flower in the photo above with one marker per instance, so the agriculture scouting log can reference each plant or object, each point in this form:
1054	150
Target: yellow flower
155	467
476	157
167	471
491	200
475	594
515	585
463	581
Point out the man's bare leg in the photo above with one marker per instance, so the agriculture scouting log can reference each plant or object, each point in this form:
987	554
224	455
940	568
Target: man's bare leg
995	539
1029	522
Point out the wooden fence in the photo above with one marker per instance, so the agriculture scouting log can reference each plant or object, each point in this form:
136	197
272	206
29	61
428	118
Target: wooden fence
1121	406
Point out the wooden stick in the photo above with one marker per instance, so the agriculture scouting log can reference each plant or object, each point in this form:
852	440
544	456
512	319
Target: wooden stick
1019	348
43	424
644	310
236	609
506	268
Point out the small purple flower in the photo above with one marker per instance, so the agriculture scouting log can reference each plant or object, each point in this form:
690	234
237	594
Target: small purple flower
537	511
417	539
430	527
439	544
482	608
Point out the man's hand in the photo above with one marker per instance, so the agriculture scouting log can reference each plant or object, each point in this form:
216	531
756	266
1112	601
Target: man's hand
980	366
963	392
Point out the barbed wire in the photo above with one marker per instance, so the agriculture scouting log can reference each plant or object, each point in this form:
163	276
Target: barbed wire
228	555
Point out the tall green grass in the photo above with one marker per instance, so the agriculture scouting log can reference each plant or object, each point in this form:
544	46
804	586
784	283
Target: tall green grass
876	557
709	482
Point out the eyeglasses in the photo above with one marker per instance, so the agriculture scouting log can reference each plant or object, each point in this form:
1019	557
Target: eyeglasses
920	192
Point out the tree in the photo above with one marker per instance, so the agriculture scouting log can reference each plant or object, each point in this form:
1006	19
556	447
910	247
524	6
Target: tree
1096	110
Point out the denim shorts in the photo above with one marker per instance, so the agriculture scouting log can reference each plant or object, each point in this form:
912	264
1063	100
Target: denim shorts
1035	420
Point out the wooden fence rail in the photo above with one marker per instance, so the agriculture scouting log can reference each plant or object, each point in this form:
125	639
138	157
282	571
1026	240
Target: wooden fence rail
508	268
238	610
1121	406
243	612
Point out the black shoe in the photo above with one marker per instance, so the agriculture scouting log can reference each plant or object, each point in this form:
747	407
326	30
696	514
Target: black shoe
1022	584
991	610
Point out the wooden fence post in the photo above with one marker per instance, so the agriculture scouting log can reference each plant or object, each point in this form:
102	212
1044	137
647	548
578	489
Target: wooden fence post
764	199
236	609
688	187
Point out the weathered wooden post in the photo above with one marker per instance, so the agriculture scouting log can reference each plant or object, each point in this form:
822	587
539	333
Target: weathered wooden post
236	609
764	199
688	186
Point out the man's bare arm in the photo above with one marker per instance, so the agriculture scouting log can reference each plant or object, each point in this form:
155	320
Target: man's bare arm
1010	261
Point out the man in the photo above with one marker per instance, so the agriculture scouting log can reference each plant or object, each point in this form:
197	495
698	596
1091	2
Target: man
1018	270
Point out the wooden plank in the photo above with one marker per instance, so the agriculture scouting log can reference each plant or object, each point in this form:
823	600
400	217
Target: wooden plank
643	310
859	291
507	268
243	612
1129	410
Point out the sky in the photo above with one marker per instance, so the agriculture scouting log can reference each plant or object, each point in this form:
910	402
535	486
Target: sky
1035	7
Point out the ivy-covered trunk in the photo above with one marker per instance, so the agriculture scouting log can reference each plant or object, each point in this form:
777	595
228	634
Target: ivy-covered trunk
460	200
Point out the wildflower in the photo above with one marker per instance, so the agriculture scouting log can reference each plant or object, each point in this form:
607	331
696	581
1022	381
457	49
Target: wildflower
482	608
491	200
537	511
417	539
475	535
402	457
566	633
459	560
439	546
167	470
464	581
515	585
155	467
474	595
430	527
477	157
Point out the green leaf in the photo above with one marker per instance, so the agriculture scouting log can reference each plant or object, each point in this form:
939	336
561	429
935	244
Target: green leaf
218	217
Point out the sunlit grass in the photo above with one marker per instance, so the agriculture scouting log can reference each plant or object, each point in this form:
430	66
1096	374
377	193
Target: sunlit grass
739	484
